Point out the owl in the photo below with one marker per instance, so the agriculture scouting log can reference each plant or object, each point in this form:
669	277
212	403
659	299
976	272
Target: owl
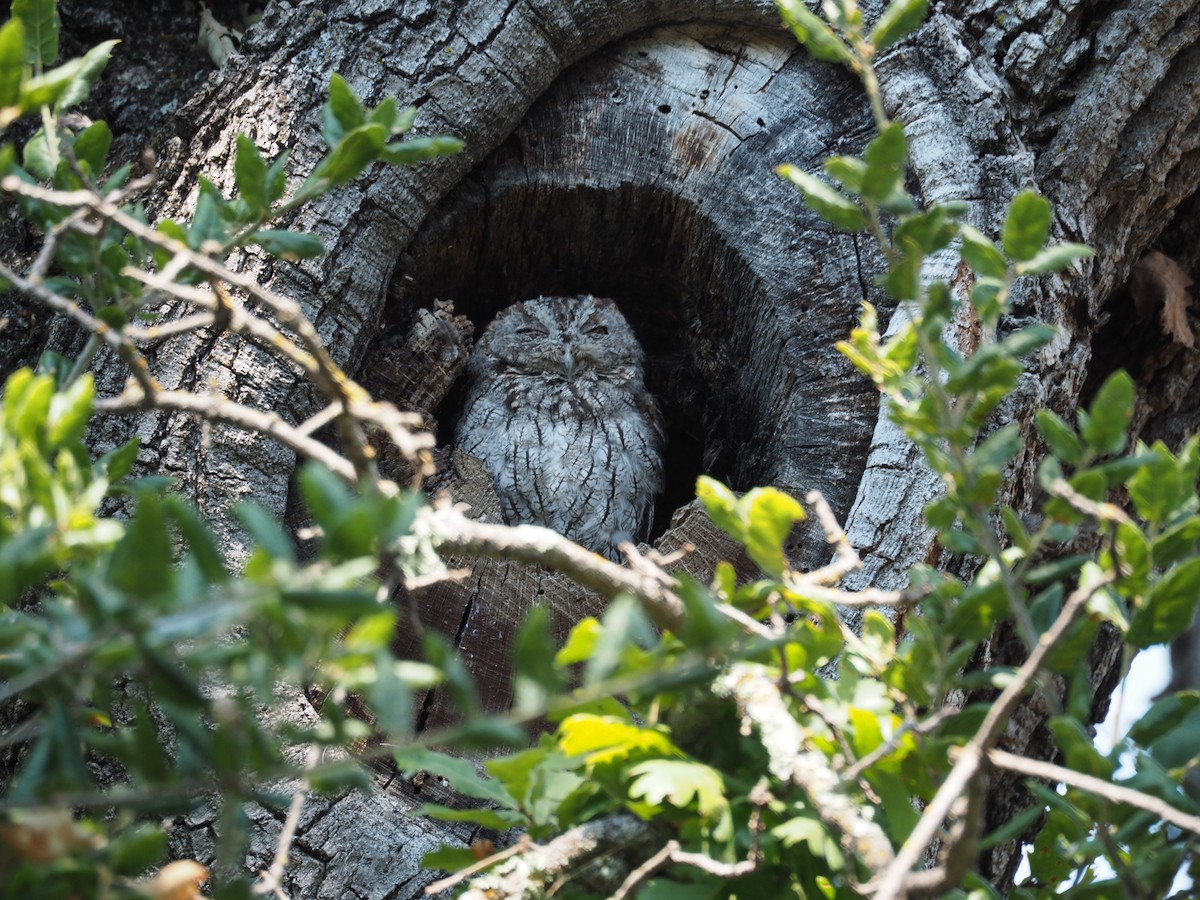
557	409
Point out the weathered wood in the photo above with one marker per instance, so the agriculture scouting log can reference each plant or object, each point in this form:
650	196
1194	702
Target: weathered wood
736	293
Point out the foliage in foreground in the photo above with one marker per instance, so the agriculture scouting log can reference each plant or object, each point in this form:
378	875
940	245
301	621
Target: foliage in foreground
710	756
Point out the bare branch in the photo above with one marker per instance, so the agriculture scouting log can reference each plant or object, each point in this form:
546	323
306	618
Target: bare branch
455	533
1104	789
967	768
218	408
1105	512
522	845
642	873
712	866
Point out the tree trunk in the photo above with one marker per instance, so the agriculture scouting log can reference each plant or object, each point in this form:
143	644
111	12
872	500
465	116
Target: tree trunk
625	147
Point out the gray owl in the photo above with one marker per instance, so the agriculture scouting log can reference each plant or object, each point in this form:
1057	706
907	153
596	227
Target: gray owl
558	411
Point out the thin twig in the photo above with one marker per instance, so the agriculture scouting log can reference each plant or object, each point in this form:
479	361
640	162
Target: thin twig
329	378
271	879
219	408
892	743
642	873
1115	793
455	533
892	883
523	843
123	347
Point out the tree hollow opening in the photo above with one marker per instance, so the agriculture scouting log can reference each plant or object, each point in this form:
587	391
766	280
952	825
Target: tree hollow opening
689	298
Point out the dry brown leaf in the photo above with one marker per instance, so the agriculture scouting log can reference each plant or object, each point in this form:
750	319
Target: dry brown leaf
44	835
1158	282
178	880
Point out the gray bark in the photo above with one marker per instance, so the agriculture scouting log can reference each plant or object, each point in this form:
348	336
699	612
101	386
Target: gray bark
625	146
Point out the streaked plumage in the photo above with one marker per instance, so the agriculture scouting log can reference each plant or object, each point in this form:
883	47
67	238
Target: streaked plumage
558	410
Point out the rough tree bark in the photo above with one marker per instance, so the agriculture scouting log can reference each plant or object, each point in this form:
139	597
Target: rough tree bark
625	147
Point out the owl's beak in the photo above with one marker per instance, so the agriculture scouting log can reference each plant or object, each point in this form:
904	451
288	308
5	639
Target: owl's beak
569	363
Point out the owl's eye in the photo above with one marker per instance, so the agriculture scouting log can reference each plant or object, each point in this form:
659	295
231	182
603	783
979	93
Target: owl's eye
596	330
532	331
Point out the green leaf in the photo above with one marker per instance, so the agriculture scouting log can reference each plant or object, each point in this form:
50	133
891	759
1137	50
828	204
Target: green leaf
625	625
142	563
404	121
1062	440
1027	340
70	411
849	170
535	679
498	819
814	34
1056	570
990	297
250	174
136	849
886	157
459	684
608	739
721	506
769	515
827	203
1078	749
80	84
1177	542
900	19
342	112
459	772
982	605
679	783
275	181
26	404
1027	226
26	558
201	542
1105	425
351	155
290	245
118	462
266	530
1162	486
39	19
12	69
38	157
390	698
449	859
1016	827
420	149
928	232
1168	607
703	626
207	224
386	114
1163	717
581	643
91	147
982	254
1052	259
